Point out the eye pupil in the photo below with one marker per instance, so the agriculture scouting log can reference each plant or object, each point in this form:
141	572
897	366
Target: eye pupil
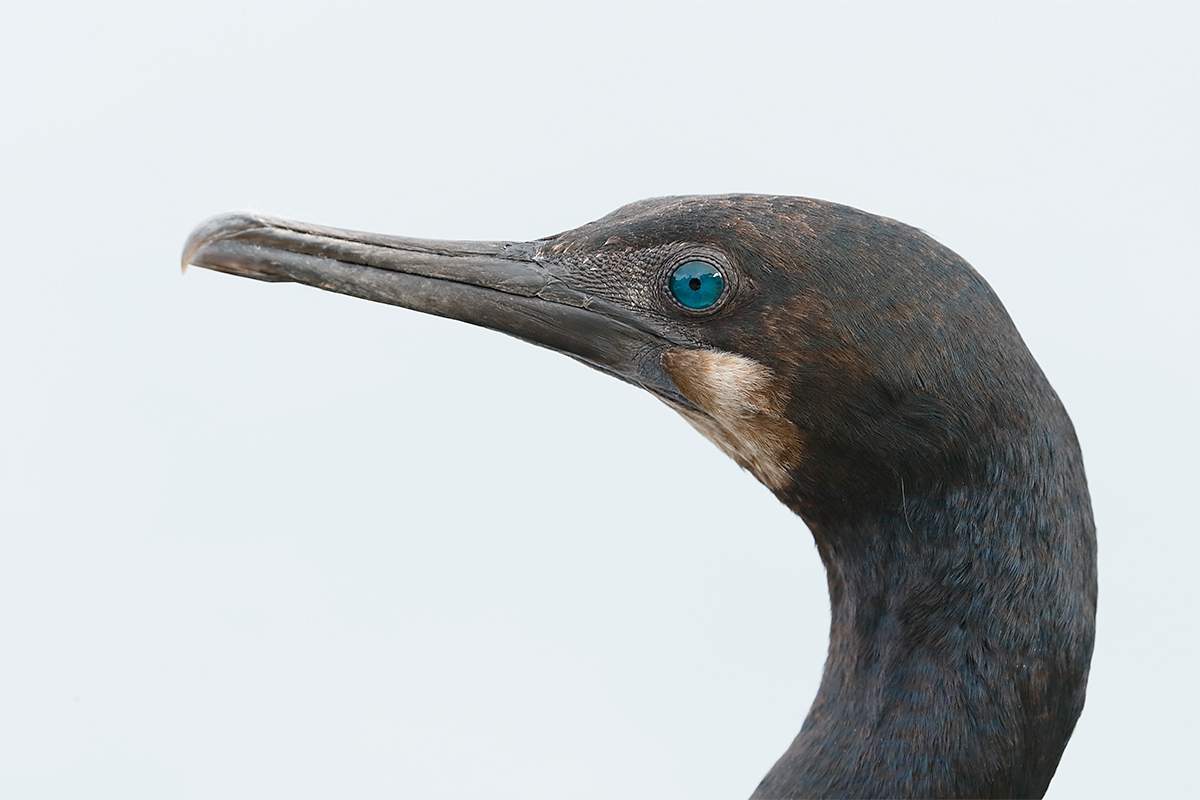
697	285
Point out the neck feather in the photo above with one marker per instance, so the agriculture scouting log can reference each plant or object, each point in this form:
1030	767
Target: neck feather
962	628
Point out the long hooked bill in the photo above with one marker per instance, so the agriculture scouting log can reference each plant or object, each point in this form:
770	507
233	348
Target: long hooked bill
497	285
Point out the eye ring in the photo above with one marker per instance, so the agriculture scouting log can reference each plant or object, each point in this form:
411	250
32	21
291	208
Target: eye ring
697	285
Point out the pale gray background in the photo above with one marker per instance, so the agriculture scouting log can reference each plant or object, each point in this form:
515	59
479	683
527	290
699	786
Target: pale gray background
263	541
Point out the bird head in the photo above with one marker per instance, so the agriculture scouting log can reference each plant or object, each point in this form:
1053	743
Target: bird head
845	359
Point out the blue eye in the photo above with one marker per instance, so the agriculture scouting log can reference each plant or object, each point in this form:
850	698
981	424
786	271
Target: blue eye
697	285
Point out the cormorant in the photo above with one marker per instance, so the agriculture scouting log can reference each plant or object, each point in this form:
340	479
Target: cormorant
872	380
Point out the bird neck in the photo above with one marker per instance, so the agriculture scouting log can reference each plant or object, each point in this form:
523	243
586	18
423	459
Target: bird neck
961	631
